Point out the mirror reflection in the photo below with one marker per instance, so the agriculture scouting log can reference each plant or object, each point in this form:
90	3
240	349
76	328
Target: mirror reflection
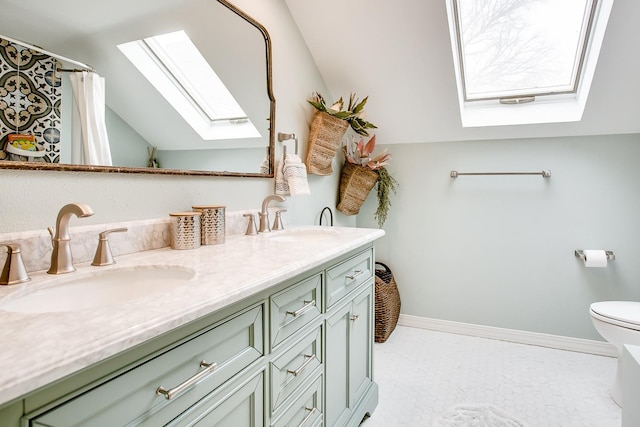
143	130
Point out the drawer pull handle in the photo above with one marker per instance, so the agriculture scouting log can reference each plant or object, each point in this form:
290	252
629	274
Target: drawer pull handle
312	413
310	358
355	317
307	305
173	392
354	275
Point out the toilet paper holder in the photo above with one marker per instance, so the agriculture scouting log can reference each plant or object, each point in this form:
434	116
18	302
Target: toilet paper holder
580	254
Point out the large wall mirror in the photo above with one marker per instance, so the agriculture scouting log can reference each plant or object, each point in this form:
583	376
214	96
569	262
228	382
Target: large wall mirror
145	132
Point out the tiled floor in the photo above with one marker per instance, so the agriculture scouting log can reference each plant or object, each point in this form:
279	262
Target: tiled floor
424	373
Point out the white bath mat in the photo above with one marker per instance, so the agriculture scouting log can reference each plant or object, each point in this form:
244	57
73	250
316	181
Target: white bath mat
472	415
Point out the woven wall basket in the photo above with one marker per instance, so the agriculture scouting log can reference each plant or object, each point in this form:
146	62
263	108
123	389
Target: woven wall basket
325	136
355	184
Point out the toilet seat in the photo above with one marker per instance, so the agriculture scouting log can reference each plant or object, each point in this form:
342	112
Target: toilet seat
621	313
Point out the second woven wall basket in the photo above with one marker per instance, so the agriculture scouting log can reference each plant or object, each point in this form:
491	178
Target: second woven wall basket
325	136
387	302
356	182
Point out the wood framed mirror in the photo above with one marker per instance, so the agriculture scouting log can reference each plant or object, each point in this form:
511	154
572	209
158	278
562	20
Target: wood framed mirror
142	125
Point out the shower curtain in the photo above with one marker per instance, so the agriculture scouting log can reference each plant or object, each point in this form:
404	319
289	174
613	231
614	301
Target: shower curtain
90	142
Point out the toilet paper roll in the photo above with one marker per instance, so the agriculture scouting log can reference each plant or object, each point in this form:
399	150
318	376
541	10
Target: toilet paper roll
595	258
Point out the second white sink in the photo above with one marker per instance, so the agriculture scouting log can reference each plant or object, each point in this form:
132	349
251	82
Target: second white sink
106	287
299	234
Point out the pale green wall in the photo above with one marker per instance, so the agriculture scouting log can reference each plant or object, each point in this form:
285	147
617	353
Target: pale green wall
128	147
31	200
499	251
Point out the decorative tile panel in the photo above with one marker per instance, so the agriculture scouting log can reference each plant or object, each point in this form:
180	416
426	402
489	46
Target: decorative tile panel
30	97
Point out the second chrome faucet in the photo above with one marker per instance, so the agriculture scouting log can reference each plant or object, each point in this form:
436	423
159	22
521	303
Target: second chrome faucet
61	258
264	212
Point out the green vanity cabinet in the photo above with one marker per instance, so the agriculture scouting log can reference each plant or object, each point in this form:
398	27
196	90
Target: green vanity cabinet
298	353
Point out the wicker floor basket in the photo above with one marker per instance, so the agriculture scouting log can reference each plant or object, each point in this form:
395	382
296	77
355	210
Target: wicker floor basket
325	136
387	300
356	183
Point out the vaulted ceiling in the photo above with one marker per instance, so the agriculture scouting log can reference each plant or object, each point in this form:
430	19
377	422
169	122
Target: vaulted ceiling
399	54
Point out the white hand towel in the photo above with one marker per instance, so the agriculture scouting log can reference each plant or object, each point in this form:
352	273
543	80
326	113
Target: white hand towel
295	175
282	187
264	166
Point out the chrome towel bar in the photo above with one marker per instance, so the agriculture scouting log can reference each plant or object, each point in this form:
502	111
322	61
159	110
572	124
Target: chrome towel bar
545	173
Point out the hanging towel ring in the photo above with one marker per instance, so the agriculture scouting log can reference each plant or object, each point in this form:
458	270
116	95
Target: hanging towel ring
286	136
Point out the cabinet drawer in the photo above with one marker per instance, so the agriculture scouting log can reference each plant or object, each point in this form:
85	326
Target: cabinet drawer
346	276
132	398
294	307
236	404
306	410
294	366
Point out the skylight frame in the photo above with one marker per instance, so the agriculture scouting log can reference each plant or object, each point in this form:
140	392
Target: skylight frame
176	85
528	108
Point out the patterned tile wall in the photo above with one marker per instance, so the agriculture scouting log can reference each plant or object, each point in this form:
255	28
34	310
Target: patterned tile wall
30	97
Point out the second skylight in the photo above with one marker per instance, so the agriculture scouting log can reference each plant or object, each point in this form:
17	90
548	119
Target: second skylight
511	48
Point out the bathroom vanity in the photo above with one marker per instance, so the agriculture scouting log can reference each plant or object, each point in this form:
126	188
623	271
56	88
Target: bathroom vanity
272	330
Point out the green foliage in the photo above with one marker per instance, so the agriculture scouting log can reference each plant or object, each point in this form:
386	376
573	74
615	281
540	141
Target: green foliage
354	114
386	185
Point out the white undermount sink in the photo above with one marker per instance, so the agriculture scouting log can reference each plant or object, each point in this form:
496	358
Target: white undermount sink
118	285
304	234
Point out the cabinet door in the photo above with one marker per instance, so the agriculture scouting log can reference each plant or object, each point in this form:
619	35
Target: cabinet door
360	358
349	341
338	327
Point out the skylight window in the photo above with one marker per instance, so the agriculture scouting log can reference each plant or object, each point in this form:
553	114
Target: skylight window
175	67
541	53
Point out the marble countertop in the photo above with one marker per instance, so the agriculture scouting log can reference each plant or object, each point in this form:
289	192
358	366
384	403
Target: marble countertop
37	349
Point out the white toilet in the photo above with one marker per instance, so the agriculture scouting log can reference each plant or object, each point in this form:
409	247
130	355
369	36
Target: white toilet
619	323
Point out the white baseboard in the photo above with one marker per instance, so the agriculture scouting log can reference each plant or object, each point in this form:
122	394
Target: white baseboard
599	348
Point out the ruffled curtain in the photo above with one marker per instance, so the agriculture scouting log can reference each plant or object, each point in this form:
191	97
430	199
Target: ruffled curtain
90	142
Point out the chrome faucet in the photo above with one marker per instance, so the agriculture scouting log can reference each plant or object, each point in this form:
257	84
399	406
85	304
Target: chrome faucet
61	258
264	213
